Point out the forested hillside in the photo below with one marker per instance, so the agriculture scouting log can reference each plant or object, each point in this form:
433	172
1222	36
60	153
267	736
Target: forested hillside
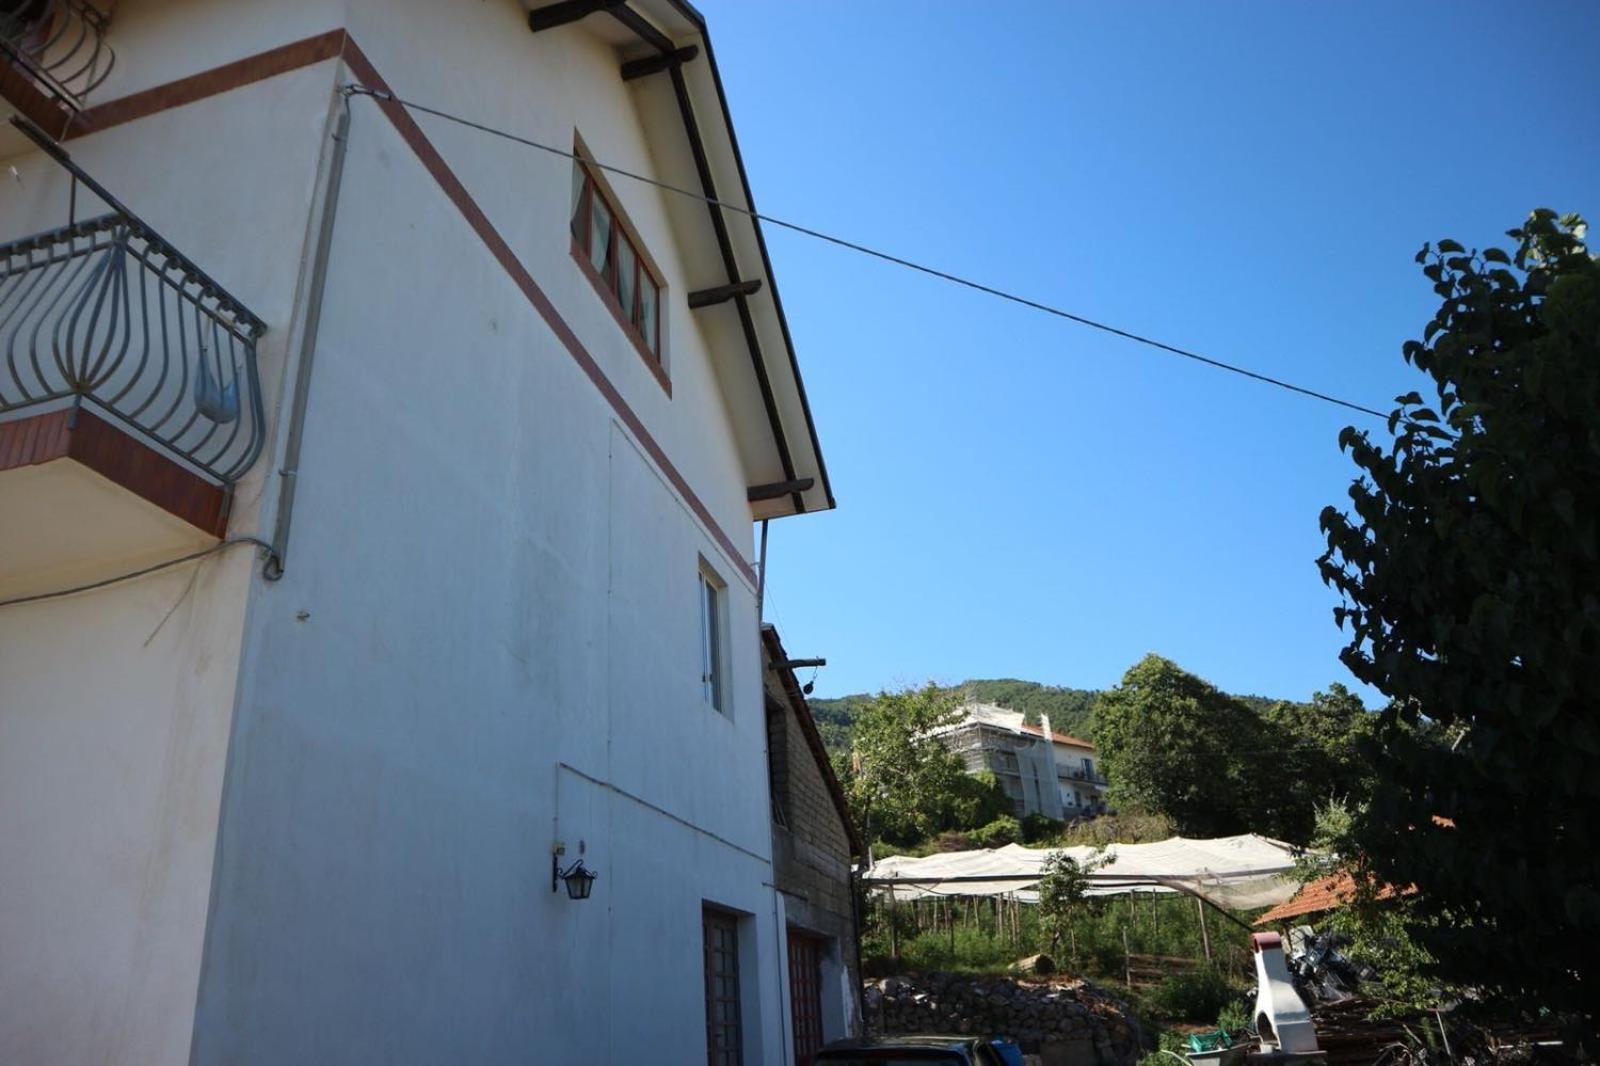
1071	710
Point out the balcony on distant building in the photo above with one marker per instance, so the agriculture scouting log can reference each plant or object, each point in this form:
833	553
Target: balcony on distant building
129	398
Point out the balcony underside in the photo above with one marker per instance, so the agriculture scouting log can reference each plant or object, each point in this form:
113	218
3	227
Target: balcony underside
82	500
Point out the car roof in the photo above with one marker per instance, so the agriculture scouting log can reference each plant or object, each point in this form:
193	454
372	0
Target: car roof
952	1043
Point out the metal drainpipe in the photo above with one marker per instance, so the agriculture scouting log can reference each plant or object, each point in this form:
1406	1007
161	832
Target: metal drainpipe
289	473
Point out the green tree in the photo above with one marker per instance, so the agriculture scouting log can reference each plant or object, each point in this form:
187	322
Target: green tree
1319	749
903	784
1062	890
1375	922
1173	744
1469	569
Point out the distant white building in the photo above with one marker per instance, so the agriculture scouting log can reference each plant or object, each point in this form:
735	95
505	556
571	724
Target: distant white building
1044	772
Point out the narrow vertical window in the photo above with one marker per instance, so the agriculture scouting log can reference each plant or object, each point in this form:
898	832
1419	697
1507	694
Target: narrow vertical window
724	1031
713	631
617	263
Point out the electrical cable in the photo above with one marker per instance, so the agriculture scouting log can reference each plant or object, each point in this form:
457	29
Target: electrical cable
91	586
955	279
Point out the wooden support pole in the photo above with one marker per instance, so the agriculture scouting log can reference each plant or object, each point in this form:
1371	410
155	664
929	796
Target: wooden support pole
1205	937
1127	960
894	932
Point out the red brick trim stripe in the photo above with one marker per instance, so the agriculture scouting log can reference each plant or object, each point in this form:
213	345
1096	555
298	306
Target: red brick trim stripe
115	455
39	107
457	193
229	76
338	43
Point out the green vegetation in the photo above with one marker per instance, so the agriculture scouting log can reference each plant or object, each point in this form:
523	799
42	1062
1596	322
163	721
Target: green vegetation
1069	709
1062	892
904	786
1468	569
1182	757
1174	744
1197	997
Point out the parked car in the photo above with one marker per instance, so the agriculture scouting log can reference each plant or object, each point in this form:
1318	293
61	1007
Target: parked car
917	1051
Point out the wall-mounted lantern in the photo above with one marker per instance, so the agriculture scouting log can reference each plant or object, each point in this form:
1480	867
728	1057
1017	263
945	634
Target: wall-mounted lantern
578	878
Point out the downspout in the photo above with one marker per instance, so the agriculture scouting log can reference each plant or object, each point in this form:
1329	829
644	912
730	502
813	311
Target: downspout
289	472
761	578
780	928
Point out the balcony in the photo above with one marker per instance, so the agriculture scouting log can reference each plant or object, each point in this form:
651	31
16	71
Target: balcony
53	53
129	398
59	44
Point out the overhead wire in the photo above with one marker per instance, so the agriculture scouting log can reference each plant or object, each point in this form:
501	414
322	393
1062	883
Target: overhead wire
875	253
130	575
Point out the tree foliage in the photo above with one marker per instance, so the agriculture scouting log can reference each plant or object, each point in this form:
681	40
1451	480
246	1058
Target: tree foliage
1469	568
904	786
1374	922
1062	889
1174	744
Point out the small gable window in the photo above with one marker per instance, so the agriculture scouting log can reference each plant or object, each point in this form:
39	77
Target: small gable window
615	261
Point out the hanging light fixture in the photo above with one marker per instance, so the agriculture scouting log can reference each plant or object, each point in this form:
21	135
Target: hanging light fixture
578	878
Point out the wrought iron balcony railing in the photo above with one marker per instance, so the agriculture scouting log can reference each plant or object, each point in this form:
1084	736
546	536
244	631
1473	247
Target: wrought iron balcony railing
60	43
105	313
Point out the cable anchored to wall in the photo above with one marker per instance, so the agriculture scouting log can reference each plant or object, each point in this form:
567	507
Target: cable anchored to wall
854	246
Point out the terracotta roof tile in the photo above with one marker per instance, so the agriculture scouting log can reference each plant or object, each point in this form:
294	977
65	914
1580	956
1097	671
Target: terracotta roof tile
1325	894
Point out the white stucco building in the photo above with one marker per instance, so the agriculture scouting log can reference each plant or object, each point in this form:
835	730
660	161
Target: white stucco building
1040	770
478	437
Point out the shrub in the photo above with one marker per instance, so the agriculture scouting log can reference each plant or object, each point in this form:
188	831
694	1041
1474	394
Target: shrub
1003	830
974	950
1197	997
1236	1014
1036	827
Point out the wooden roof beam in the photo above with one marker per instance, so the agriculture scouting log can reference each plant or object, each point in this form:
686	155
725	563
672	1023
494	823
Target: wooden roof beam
639	68
723	293
779	489
559	14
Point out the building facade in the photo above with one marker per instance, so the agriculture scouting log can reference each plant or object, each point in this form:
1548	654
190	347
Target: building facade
462	443
814	843
1055	777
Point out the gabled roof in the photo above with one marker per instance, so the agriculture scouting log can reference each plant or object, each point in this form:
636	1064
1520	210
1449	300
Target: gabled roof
777	659
686	120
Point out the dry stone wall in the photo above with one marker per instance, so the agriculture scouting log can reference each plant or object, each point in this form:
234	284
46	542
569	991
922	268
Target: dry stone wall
1067	1022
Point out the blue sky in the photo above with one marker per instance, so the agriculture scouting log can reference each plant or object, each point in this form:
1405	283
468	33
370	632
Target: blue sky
1022	497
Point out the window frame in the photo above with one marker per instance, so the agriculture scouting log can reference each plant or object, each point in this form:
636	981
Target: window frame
712	593
724	1038
605	278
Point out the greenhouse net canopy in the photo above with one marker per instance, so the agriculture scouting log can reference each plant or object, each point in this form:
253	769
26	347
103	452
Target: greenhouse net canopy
1239	872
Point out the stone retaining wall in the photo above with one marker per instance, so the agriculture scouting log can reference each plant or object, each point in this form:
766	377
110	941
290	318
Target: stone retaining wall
1066	1022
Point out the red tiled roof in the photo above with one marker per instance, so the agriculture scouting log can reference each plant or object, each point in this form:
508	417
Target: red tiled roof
1059	738
1325	894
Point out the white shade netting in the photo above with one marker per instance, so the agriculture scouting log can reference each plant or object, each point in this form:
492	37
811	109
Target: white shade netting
1238	872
